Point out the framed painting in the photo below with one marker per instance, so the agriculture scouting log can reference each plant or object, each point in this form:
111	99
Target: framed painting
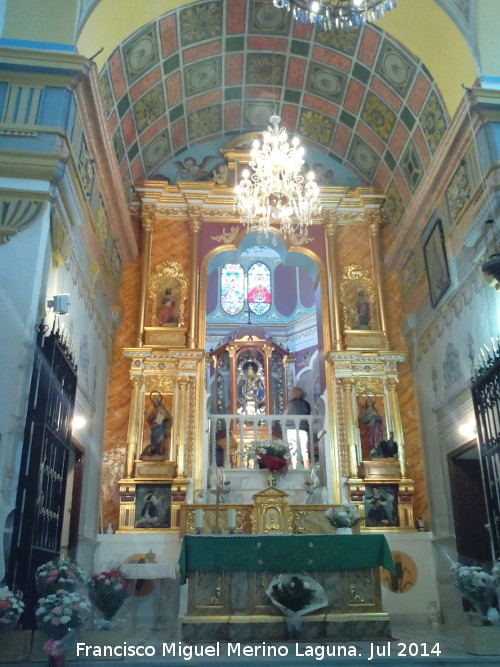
436	263
381	505
152	506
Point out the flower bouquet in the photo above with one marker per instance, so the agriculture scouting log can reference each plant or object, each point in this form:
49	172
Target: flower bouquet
479	589
108	591
345	516
11	607
273	454
58	614
296	595
58	574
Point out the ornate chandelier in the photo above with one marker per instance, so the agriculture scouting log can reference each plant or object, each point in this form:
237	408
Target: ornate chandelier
277	191
330	14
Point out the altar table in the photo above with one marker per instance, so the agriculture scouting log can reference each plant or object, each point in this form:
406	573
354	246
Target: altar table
228	575
283	552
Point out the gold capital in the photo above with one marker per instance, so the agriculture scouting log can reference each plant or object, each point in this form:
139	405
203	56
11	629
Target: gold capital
148	216
194	218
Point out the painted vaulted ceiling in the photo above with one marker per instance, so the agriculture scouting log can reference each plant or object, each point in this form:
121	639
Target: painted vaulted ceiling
179	84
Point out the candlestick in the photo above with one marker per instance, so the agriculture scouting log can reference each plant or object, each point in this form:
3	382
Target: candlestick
198	520
231	518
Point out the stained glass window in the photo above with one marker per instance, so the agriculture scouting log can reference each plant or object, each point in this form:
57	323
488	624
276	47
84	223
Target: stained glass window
259	288
232	292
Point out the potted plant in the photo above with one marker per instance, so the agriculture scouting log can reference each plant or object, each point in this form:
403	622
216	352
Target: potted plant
296	595
343	518
108	591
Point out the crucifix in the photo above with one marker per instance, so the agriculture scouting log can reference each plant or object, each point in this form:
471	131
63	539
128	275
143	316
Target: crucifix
222	488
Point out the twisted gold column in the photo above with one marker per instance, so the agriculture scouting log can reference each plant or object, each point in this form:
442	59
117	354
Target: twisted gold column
194	222
148	218
333	281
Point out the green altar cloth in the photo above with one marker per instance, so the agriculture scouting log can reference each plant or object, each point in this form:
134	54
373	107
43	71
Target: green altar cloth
283	552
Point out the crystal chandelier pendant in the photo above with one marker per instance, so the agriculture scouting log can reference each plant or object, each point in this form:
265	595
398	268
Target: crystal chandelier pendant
277	192
332	14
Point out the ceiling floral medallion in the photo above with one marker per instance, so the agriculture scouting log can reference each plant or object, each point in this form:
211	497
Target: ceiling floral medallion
265	69
149	108
316	127
201	22
394	205
433	122
378	116
205	121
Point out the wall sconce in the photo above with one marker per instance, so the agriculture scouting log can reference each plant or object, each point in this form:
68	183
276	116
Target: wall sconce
60	304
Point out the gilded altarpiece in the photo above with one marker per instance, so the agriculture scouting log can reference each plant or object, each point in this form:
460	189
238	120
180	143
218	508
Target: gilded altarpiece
165	379
371	440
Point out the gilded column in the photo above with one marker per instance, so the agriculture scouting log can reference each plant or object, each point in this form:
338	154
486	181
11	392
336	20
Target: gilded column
183	384
375	220
333	281
194	221
268	350
233	373
348	388
133	423
396	425
148	218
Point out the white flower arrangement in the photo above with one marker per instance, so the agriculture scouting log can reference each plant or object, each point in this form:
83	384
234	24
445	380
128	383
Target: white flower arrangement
11	605
269	447
345	516
479	588
62	573
59	613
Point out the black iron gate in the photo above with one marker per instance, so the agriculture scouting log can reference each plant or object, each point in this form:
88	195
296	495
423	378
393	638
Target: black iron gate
44	465
486	398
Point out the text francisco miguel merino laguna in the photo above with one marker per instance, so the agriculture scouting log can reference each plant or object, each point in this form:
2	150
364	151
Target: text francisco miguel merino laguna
261	650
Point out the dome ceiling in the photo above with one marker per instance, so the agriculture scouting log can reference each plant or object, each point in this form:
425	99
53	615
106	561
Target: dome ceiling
185	83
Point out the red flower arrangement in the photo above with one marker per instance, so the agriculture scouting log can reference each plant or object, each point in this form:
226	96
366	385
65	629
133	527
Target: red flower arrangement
274	454
109	590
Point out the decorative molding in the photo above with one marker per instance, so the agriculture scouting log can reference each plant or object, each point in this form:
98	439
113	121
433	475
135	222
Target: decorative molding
18	212
60	239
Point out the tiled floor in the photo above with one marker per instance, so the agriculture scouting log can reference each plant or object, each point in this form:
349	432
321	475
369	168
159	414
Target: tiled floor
411	645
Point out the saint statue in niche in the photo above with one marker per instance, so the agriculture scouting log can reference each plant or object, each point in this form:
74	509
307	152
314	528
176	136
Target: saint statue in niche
371	426
361	310
159	420
168	315
251	391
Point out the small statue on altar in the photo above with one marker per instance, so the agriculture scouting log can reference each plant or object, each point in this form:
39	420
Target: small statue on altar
159	420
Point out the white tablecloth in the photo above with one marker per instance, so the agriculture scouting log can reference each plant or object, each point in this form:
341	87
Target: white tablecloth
149	570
